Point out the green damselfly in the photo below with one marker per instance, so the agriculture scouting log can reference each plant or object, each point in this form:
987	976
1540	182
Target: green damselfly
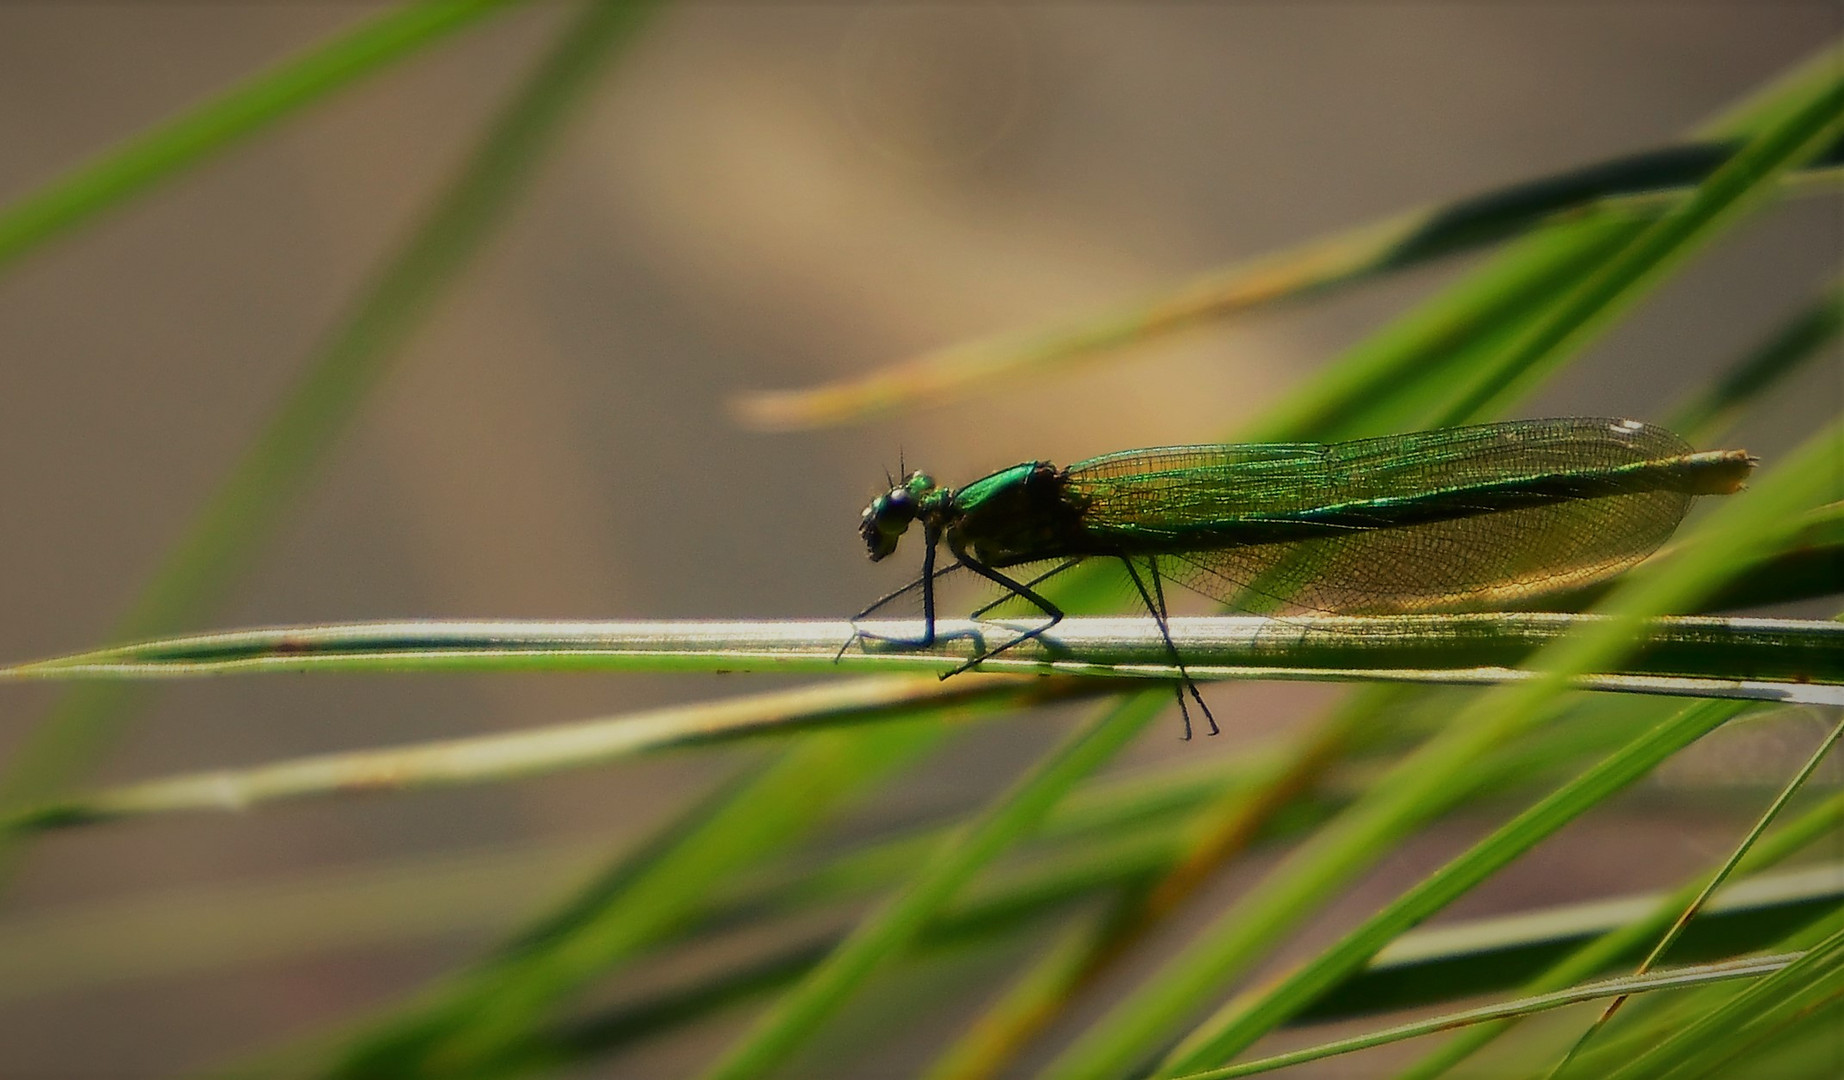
1460	517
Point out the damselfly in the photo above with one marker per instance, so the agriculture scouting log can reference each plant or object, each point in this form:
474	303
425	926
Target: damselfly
1457	517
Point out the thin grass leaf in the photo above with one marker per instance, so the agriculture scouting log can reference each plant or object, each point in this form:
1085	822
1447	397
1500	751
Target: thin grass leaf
1102	835
1802	338
1312	267
1675	979
1242	1021
543	750
1651	1021
1788	660
884	934
1317	267
1716	880
1754	915
1740	185
1458	960
337	379
158	154
1815	977
472	1021
1423	786
1079	958
1596	955
1392	380
1427	783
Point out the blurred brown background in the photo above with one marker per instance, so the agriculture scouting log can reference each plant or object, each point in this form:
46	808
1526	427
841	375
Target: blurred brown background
757	196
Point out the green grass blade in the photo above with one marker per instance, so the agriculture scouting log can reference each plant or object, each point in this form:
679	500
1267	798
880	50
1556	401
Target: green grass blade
1399	242
1676	979
1724	541
1384	383
475	1020
1698	902
1652	1021
140	163
1094	835
1790	660
1244	1021
1428	782
1807	982
885	933
1221	831
1731	192
1463	959
1312	267
339	376
540	751
1596	955
1801	338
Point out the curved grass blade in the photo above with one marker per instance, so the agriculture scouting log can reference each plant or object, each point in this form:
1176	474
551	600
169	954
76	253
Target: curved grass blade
1242	1021
1312	267
543	750
1698	902
1397	243
1816	977
1655	1020
1221	831
1101	835
139	163
473	1020
888	931
1761	918
1740	185
339	376
1796	341
1465	959
1788	660
1424	786
1617	943
1674	979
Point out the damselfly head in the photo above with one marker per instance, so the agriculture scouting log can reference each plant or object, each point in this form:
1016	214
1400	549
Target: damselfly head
889	515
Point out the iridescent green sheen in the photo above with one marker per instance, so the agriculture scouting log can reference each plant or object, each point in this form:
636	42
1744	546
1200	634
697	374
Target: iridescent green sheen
1464	517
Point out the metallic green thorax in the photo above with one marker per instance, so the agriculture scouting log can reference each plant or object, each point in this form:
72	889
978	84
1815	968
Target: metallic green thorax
1455	516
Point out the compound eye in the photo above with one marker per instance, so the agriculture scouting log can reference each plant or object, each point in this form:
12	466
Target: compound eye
898	501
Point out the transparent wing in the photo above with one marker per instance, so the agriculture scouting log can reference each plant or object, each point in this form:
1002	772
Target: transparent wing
1490	558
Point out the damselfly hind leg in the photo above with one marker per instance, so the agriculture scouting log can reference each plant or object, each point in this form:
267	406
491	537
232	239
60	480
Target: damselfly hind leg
1155	606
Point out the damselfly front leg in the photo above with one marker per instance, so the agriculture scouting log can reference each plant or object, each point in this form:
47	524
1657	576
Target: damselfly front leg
1052	613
